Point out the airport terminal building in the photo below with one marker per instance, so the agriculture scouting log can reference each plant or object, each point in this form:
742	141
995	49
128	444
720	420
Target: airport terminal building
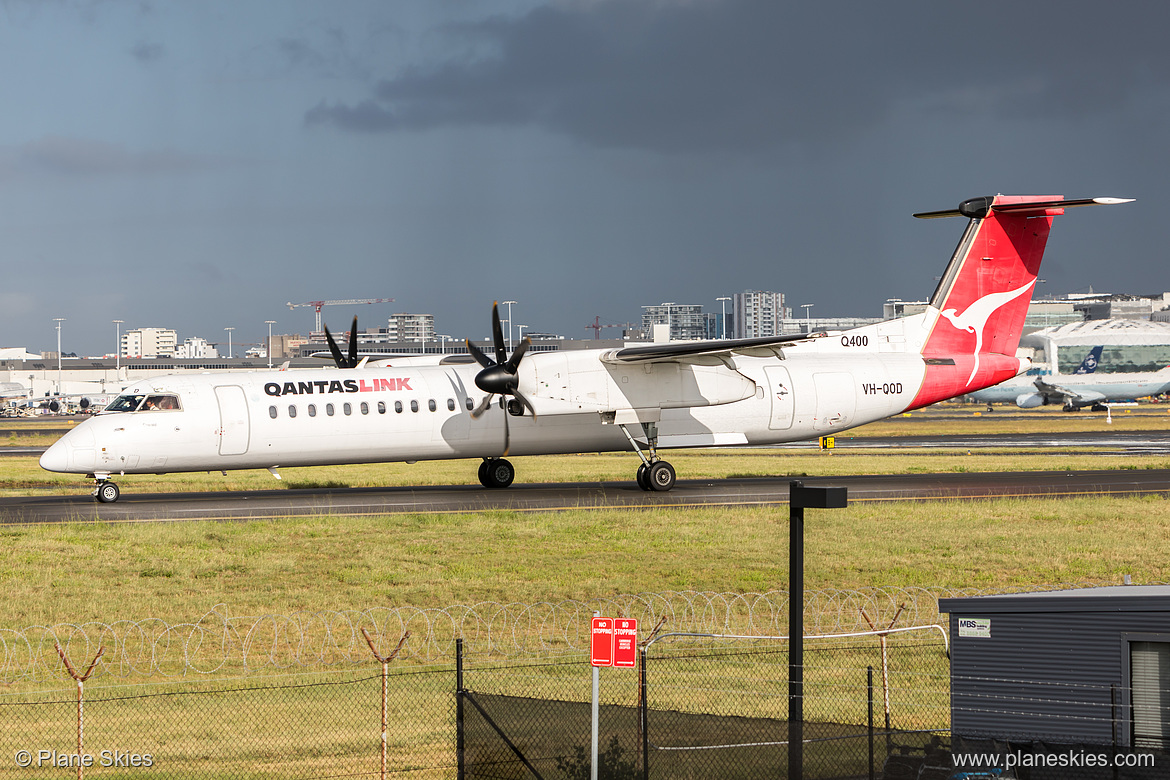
1128	346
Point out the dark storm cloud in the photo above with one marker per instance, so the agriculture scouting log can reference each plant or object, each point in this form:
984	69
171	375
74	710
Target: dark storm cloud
750	74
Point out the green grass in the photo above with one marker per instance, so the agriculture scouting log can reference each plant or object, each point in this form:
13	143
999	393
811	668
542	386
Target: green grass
178	571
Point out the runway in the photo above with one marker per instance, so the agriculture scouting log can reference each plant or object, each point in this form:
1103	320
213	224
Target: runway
173	507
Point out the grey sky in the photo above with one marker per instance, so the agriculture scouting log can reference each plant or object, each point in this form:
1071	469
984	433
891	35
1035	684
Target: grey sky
196	165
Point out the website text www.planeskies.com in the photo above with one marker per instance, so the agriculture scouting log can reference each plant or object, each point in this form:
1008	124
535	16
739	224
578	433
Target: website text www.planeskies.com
1072	758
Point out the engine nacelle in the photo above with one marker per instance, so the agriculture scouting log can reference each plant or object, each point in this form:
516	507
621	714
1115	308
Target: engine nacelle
1030	400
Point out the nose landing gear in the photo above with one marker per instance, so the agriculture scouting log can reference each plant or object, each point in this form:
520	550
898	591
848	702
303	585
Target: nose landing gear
105	491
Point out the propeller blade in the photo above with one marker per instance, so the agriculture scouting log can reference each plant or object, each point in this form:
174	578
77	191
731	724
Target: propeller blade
483	405
527	404
498	335
514	361
353	345
507	435
477	353
338	358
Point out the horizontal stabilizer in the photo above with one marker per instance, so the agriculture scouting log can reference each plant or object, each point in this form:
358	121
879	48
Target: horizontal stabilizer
978	208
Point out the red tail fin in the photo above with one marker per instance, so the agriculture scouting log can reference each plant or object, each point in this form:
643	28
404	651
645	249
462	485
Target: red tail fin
977	313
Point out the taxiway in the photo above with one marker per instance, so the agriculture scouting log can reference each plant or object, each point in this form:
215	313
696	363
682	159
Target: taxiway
172	507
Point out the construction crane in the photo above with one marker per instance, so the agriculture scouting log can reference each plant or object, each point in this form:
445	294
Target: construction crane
597	327
318	304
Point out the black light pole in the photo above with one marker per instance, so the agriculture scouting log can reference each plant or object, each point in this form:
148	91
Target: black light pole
800	497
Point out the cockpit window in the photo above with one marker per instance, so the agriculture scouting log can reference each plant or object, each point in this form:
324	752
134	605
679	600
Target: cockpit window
143	402
161	403
125	403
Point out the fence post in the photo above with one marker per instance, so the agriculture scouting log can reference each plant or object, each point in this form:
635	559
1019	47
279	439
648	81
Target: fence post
644	720
385	661
80	678
460	770
885	660
869	700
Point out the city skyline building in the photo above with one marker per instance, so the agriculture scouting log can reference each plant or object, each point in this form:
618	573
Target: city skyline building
687	321
149	343
758	314
411	327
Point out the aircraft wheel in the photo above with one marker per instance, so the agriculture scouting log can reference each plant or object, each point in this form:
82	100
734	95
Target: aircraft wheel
660	476
642	481
483	474
107	492
498	473
1098	408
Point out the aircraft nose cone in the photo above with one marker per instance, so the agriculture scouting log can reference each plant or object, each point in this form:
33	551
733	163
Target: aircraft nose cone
56	458
72	453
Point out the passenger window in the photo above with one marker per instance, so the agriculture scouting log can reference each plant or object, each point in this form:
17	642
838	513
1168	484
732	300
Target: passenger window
365	408
398	407
470	404
292	411
431	405
347	408
414	406
381	407
272	412
450	404
312	410
329	409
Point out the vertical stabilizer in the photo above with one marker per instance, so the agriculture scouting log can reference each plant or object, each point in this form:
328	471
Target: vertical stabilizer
976	315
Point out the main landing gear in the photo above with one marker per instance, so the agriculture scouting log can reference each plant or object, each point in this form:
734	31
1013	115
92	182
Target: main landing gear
496	473
105	491
654	474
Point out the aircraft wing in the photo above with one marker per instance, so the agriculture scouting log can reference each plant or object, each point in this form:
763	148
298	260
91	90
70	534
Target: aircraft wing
695	351
1068	396
396	360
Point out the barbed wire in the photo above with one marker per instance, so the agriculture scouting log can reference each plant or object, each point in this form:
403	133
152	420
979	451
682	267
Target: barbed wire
220	644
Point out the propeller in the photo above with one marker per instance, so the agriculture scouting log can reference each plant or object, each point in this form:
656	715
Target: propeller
345	361
498	376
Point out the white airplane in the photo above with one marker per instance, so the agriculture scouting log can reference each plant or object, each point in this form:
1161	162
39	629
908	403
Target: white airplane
1082	388
639	398
12	390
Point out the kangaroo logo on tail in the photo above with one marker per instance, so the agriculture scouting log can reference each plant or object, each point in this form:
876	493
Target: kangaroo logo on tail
974	318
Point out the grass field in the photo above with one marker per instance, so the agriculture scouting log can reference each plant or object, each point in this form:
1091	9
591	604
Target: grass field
178	571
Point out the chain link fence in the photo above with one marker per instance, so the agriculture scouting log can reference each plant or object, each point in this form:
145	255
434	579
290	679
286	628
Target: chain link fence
303	726
297	696
707	707
696	708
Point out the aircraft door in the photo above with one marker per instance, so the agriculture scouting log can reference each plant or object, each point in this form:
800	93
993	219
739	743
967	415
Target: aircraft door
783	402
233	420
836	400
